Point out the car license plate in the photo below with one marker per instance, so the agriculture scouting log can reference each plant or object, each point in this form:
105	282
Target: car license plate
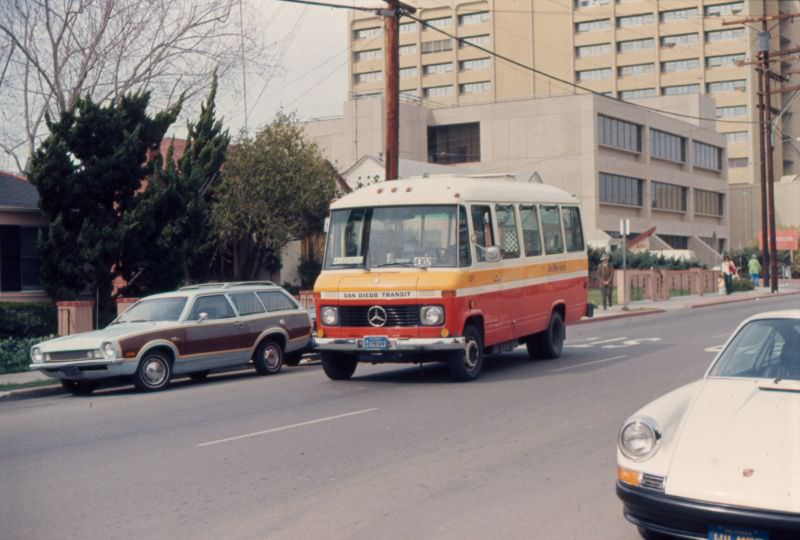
71	371
716	532
376	343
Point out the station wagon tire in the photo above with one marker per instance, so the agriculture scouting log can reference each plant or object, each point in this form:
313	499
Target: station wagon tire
153	373
465	365
292	359
78	388
337	366
269	358
199	376
550	343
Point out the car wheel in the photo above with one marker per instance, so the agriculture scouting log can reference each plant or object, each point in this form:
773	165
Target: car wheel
338	367
269	358
465	365
153	373
652	535
78	388
292	359
550	343
199	376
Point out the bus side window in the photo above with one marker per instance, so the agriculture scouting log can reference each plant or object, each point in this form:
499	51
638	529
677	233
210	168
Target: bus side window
573	232
464	257
507	228
483	234
531	234
551	227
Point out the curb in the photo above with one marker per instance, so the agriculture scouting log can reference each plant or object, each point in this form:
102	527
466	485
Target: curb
748	299
625	315
26	393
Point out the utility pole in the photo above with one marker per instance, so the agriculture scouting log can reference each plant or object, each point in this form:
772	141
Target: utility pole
391	25
762	165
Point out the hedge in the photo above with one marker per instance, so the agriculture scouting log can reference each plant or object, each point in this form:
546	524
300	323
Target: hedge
22	320
15	353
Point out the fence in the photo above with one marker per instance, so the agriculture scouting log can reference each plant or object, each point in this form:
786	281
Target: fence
662	284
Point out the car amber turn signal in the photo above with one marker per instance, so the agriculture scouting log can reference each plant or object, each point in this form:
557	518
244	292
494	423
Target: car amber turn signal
627	476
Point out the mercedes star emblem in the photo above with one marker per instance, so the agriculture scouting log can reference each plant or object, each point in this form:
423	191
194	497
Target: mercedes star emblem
376	316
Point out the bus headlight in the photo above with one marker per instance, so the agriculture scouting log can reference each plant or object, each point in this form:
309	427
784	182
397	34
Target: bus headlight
431	315
329	315
638	439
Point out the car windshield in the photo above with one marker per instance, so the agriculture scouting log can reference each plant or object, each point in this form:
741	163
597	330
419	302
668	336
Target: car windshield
157	309
414	236
766	348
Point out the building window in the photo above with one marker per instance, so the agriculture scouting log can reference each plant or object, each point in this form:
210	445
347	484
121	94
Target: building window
573	232
593	74
619	133
456	143
724	60
407	49
636	45
667	196
592	26
411	94
365	95
725	35
531	237
678	14
709	203
732	110
408	27
475	88
438	45
370	54
679	40
591	3
635	69
473	18
738	163
635	20
474	65
707	156
507	228
722	10
365	33
674	241
408	72
618	189
432	69
482	40
439	22
19	260
638	93
736	137
739	85
665	145
680	65
592	50
680	89
438	91
369	76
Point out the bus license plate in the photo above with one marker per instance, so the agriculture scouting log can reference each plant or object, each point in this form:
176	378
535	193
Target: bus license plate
716	532
376	343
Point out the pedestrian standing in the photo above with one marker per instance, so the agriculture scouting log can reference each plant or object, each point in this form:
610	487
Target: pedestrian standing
728	271
605	272
754	269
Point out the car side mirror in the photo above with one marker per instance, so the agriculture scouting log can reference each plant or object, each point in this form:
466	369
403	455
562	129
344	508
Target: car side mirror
493	254
202	316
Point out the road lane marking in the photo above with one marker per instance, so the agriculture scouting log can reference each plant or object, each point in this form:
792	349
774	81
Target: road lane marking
595	342
631	342
284	428
602	360
714	348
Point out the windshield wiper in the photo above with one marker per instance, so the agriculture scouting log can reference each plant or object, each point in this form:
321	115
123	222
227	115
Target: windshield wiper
382	265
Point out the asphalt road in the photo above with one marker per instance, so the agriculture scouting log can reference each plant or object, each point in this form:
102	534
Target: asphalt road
526	451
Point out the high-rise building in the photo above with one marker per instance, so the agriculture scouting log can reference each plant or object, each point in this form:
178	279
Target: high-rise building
628	49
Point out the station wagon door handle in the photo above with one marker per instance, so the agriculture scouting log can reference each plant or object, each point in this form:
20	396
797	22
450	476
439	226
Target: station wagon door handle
239	324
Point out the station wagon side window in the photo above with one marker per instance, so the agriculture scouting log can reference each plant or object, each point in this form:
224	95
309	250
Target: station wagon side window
482	230
464	256
276	301
551	227
216	306
531	232
246	303
573	232
507	229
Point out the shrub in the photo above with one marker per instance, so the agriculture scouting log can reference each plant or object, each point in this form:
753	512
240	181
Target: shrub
15	353
21	320
294	290
308	269
641	261
742	285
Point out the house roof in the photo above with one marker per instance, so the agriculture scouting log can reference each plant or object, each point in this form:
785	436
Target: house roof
17	193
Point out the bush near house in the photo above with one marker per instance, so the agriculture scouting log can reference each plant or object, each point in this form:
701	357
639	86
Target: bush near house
15	353
641	260
23	320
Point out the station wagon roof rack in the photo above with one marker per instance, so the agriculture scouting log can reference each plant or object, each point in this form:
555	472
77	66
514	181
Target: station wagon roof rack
226	285
248	284
201	286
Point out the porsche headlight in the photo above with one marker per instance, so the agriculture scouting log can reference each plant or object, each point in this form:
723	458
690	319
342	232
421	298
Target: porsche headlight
36	355
431	315
638	439
329	315
108	349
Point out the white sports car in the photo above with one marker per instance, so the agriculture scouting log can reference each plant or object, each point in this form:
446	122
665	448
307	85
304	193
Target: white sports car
720	458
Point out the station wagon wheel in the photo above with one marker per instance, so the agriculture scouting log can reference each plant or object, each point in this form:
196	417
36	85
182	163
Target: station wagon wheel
338	366
153	373
78	388
269	358
467	364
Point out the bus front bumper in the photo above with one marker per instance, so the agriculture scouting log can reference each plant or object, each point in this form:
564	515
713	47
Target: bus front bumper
391	344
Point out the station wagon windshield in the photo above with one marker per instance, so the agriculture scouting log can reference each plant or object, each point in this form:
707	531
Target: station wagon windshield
763	349
157	309
397	236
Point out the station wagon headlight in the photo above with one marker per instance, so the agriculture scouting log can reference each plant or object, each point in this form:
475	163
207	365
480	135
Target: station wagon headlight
36	355
108	349
638	439
330	315
431	315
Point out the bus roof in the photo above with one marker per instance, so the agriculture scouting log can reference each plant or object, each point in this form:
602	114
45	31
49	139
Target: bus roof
451	189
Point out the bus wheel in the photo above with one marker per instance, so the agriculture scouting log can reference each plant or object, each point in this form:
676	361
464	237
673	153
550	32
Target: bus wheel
550	343
337	366
465	365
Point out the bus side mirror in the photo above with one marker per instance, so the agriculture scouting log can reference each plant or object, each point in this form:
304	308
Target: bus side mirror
493	254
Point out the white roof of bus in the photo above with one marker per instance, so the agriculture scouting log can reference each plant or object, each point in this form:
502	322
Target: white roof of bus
450	189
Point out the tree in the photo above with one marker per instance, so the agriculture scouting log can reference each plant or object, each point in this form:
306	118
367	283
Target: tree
87	172
53	53
275	188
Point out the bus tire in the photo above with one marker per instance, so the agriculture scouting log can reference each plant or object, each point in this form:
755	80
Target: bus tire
550	343
466	364
338	366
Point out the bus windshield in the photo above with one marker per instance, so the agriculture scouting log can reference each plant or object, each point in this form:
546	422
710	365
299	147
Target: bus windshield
413	236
